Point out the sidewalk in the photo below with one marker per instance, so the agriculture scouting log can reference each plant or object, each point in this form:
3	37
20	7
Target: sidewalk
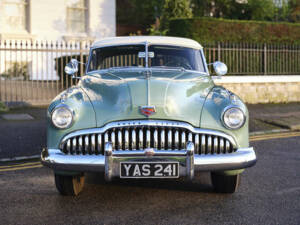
23	130
266	117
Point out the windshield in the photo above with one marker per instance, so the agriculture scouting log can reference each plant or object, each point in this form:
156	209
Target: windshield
159	56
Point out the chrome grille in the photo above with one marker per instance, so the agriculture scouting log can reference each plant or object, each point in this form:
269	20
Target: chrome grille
142	137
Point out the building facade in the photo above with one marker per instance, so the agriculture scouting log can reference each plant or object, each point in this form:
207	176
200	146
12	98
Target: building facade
35	34
57	20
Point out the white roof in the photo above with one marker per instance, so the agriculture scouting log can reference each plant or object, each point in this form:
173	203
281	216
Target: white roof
158	40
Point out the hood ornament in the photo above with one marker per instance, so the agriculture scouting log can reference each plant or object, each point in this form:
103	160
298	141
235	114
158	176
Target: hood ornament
147	110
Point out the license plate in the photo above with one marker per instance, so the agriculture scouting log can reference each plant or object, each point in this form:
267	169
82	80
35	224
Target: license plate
149	170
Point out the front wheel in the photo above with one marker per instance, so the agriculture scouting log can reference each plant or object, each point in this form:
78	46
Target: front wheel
69	185
224	183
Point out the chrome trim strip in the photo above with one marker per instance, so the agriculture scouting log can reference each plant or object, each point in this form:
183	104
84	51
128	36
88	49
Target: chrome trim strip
197	143
203	143
54	158
169	145
208	144
119	139
99	147
183	140
222	145
69	146
112	138
141	139
215	147
158	123
190	137
80	144
86	144
148	137
162	139
105	137
227	146
133	139
93	141
176	139
126	139
155	138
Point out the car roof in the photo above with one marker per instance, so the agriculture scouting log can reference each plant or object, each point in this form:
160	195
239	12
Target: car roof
157	40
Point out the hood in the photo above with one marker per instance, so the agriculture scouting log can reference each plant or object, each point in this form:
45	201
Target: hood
176	95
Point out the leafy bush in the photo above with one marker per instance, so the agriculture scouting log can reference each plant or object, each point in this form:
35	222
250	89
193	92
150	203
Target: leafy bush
210	30
3	107
16	71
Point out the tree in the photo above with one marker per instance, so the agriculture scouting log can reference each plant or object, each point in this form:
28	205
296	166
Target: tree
294	6
174	9
235	9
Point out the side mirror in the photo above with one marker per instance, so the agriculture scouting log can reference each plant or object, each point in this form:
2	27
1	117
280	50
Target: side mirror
72	67
220	68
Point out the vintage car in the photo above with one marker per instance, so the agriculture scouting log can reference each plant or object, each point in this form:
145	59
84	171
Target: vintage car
147	107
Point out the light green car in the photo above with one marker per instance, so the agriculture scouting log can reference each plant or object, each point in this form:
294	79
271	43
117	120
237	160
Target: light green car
146	108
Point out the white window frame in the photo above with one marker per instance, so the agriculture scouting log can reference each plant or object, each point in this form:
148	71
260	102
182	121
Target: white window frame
26	5
86	19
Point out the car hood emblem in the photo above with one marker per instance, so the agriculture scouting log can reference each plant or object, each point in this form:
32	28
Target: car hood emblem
147	110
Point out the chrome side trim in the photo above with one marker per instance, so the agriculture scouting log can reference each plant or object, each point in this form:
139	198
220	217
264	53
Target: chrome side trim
142	123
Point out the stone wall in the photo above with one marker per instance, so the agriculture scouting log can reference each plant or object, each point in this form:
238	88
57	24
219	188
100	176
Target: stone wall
257	91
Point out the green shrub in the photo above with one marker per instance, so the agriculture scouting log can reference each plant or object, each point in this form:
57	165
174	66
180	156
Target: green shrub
210	30
3	107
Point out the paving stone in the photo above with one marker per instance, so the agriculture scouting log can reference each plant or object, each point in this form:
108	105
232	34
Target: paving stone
21	116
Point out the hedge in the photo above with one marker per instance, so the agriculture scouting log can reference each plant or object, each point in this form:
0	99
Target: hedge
208	30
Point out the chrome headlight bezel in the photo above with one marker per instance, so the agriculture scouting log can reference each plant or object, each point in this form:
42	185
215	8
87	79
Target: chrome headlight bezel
224	118
68	110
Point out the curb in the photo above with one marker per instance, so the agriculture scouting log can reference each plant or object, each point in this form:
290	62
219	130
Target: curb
274	131
19	158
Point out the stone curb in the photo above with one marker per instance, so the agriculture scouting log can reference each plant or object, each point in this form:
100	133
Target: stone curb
19	158
274	131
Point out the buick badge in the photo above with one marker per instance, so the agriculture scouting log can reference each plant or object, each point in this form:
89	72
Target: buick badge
147	110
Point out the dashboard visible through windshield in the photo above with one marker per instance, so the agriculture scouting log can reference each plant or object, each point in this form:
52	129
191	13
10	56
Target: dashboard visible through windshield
159	56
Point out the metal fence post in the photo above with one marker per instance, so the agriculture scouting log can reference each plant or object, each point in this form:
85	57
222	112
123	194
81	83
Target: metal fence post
265	59
219	51
81	57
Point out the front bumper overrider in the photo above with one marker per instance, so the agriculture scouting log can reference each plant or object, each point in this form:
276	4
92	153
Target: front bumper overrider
110	161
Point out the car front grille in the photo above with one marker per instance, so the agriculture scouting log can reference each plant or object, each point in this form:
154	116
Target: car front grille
160	136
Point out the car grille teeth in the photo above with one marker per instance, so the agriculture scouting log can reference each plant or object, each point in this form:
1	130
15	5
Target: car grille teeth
137	138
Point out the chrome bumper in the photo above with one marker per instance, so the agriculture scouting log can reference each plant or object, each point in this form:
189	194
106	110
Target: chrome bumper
110	162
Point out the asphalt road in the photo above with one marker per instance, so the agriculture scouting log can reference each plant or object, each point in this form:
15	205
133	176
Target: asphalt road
269	194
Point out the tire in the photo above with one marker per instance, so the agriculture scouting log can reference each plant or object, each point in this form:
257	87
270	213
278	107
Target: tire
69	185
225	184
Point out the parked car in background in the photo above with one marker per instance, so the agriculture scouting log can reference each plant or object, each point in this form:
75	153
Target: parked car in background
147	107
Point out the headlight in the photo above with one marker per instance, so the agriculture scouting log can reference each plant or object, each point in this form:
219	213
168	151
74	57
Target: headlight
62	117
234	118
